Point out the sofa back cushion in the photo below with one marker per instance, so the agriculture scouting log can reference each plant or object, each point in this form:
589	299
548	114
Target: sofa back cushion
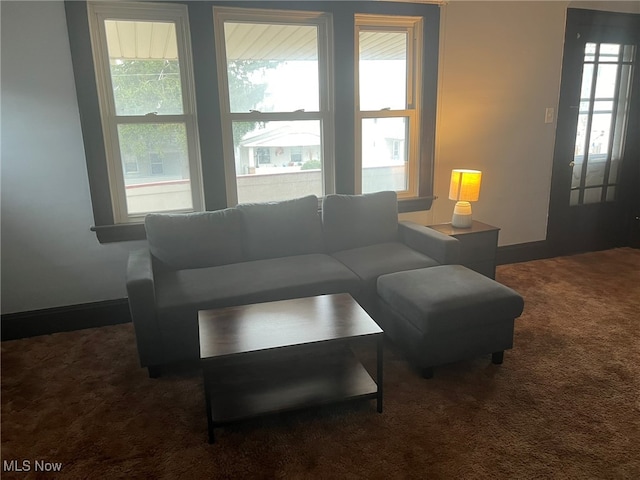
351	221
280	229
195	240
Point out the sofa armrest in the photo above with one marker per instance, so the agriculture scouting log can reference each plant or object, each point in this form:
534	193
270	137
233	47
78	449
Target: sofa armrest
442	248
142	304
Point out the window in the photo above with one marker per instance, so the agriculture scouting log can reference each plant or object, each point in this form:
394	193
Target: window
147	108
395	149
388	87
296	155
130	165
157	166
282	113
262	156
274	70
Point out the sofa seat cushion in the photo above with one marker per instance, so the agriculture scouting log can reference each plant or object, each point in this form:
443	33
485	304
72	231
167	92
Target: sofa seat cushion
374	260
180	293
448	298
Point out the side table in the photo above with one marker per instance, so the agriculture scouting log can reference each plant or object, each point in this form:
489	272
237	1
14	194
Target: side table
478	245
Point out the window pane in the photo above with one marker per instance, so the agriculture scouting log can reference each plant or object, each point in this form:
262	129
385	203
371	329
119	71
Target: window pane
600	133
613	172
383	70
603	107
145	72
589	52
609	52
623	104
384	154
611	194
587	78
606	83
596	170
576	173
277	160
581	136
592	195
160	181
272	68
575	197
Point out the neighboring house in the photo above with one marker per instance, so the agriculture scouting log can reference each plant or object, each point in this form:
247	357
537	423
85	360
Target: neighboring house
155	167
383	142
288	146
278	147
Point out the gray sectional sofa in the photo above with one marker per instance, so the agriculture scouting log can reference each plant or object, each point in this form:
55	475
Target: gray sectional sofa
265	252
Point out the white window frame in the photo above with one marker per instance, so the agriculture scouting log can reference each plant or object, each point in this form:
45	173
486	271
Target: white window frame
99	12
323	21
413	27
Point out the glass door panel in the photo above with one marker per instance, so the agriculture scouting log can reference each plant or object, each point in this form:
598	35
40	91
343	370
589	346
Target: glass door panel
602	119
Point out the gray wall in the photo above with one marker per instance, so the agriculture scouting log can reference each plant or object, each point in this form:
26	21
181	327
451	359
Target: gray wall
490	117
49	256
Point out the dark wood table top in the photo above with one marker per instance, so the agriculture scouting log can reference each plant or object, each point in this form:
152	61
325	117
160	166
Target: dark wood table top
266	326
476	227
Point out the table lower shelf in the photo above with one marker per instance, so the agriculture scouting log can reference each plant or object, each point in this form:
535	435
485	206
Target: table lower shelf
283	383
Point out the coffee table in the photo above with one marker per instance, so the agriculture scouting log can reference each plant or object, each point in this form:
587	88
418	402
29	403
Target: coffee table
285	355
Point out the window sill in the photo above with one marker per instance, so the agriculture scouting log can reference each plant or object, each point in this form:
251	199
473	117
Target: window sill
120	233
135	231
415	204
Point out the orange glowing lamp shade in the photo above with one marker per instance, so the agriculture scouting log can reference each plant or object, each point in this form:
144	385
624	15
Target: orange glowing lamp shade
465	185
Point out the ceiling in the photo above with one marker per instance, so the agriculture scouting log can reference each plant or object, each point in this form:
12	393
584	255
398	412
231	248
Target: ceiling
245	41
128	40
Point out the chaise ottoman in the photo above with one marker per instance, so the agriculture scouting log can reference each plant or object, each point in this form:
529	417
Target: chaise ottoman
447	313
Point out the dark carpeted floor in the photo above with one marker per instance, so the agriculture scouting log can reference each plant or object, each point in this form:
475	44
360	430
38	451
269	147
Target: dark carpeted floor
565	403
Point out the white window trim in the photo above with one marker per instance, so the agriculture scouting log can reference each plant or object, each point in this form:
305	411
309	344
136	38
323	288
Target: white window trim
325	115
98	12
413	26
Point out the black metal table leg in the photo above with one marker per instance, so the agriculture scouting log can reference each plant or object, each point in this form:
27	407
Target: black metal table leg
379	377
207	398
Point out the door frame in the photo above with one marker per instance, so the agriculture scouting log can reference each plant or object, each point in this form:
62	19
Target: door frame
617	26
